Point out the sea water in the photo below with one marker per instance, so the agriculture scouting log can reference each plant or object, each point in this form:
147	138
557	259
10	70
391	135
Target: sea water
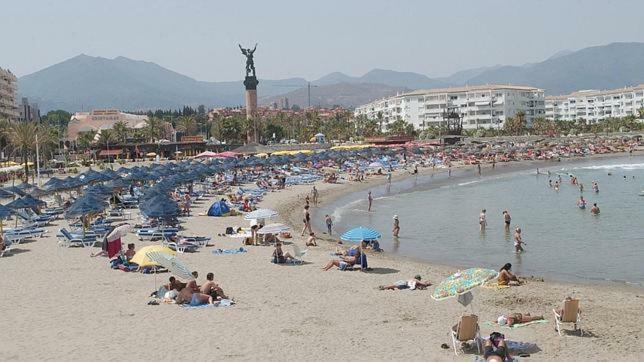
439	219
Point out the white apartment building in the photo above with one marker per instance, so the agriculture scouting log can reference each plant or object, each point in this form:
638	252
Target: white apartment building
593	105
484	106
8	107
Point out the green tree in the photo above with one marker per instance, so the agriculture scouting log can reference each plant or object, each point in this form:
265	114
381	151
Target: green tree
85	140
120	132
274	129
543	126
154	129
230	129
515	125
187	125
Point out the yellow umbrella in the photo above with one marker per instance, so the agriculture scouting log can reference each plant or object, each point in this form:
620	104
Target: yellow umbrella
141	257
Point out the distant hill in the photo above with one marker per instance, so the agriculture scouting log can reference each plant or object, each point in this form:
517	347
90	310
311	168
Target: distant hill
93	82
609	66
343	94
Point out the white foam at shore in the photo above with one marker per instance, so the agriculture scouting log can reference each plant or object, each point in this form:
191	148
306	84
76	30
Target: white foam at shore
622	166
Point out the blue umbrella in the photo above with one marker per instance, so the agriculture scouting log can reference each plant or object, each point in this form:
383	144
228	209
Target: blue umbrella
5	212
54	184
16	190
360	233
85	205
25	202
4	194
159	207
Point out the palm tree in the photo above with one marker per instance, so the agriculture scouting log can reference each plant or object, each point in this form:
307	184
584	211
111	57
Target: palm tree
120	131
187	125
154	129
22	137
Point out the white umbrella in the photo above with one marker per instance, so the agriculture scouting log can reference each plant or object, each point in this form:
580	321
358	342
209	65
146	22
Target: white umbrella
174	265
119	232
273	229
261	214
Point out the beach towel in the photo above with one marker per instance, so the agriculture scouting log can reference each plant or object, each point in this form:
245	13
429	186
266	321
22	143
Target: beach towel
221	303
515	326
481	359
229	251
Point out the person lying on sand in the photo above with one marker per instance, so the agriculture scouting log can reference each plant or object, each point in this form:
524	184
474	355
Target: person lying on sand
495	349
506	276
407	284
511	319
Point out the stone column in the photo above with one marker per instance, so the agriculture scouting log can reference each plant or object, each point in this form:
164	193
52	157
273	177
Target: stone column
251	101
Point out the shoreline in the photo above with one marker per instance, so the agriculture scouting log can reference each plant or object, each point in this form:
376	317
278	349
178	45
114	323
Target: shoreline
459	174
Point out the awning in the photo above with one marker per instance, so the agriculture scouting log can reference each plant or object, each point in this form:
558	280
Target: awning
114	152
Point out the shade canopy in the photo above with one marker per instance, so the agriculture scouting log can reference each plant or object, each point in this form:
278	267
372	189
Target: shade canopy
361	233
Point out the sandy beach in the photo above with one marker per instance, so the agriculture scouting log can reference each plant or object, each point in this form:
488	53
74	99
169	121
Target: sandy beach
60	304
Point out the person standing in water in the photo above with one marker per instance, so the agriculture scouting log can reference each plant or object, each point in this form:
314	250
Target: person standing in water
550	183
329	223
595	209
370	199
482	220
478	166
396	228
518	240
389	177
581	203
595	186
581	187
507	219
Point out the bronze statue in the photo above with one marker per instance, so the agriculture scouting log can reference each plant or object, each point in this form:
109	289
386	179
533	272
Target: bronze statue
250	65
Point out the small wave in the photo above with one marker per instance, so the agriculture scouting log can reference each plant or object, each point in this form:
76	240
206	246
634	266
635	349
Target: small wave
622	166
469	183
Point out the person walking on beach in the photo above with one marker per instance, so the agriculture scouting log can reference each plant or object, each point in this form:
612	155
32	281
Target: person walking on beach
595	209
329	223
518	240
370	199
482	220
314	192
306	220
507	219
396	228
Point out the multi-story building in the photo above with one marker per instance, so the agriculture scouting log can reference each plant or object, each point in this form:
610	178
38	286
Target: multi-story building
28	112
593	105
8	108
102	119
484	106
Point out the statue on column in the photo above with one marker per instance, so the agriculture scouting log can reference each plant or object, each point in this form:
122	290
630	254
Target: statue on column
250	65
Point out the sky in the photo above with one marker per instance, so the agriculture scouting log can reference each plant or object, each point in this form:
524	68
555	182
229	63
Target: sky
302	38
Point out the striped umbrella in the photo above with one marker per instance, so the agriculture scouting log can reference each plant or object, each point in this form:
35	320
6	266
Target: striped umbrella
273	229
462	282
174	265
261	214
360	233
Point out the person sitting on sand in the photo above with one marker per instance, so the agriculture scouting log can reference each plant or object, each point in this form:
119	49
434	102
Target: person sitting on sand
412	284
506	276
511	319
345	261
279	256
175	284
192	285
495	349
212	289
311	241
129	253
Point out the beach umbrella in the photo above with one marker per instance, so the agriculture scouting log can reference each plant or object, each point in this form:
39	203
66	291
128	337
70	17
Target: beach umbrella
4	194
261	214
4	213
26	202
159	207
119	232
462	282
141	257
172	263
85	205
360	233
273	229
15	190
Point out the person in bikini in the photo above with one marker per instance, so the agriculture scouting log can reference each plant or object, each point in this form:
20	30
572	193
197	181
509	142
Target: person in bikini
506	276
511	319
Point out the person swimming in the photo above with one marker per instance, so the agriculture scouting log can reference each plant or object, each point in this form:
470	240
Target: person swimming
556	185
595	186
550	183
595	209
581	203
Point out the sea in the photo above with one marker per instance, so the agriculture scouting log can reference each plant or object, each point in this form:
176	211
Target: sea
439	219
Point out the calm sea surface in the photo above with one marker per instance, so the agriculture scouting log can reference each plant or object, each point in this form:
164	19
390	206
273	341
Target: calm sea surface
439	220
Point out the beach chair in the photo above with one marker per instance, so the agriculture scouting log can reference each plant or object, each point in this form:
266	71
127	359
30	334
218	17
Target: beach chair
67	239
571	314
298	254
467	329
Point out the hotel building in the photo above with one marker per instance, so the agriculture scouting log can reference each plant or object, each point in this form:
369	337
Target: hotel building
593	105
484	106
8	108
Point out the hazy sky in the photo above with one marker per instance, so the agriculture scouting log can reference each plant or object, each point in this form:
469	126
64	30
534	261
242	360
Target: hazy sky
310	38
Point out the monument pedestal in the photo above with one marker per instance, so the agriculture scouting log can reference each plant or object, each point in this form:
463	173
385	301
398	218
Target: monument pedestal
251	103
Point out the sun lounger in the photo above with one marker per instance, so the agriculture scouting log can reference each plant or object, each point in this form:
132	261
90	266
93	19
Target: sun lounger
156	233
467	329
571	314
68	239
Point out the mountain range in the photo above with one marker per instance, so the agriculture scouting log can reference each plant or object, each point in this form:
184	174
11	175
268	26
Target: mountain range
87	82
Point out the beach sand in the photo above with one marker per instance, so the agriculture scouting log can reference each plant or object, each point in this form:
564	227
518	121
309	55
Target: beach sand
60	304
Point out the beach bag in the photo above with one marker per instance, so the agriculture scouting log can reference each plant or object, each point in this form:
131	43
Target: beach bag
229	230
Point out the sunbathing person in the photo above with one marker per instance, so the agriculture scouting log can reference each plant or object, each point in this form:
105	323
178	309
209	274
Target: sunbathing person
344	262
212	289
407	284
517	318
506	276
192	285
279	256
495	349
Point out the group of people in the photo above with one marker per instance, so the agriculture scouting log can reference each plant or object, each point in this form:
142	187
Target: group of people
191	293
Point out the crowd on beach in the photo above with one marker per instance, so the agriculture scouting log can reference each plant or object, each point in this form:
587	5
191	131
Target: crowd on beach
166	193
